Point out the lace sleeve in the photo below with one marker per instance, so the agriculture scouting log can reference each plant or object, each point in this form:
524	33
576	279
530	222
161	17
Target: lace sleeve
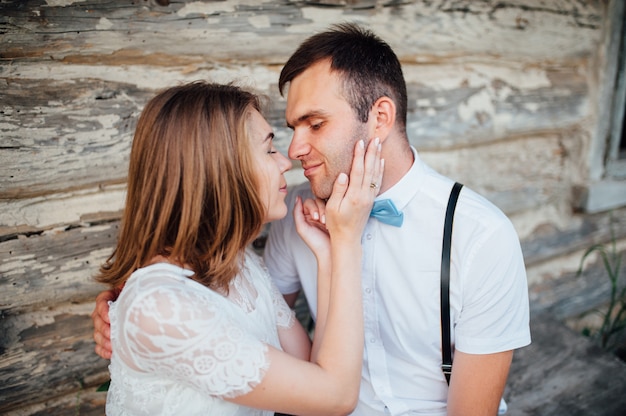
187	334
285	317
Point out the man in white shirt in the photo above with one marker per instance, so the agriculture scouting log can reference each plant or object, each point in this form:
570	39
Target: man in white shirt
346	84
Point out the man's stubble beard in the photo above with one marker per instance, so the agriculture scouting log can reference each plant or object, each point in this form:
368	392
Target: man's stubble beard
340	162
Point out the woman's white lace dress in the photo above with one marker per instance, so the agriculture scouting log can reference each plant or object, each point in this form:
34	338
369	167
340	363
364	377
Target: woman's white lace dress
180	348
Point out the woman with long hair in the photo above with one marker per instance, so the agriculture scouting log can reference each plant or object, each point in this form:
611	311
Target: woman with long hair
199	328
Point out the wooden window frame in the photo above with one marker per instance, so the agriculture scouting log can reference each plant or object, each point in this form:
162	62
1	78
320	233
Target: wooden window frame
607	164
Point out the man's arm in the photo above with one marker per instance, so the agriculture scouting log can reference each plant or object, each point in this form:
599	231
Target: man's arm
477	383
291	298
494	322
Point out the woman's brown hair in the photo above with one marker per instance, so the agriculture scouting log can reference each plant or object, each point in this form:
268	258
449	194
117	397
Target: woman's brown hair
192	190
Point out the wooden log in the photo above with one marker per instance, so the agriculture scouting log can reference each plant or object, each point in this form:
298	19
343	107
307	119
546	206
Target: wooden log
553	258
567	295
580	233
476	102
269	31
65	134
60	211
53	268
84	402
518	174
47	353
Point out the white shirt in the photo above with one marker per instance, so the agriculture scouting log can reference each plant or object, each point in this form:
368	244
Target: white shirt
180	348
401	283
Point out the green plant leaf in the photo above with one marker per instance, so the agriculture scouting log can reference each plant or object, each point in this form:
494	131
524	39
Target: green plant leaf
614	318
104	386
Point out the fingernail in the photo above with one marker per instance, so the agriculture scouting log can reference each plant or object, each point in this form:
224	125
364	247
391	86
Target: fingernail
316	216
343	178
377	141
361	144
382	163
323	219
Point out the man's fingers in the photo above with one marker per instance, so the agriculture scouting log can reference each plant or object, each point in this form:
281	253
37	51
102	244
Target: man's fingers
103	353
101	322
102	327
102	305
103	346
103	312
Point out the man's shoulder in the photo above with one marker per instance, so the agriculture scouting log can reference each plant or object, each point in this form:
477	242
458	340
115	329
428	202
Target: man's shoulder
479	206
470	202
473	208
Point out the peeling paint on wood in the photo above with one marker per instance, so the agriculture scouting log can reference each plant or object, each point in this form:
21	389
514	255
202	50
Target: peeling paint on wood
49	353
62	209
59	266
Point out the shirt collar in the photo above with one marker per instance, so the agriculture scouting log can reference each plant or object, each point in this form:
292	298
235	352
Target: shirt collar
404	190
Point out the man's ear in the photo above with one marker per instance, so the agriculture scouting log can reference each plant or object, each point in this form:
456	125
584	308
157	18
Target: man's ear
384	116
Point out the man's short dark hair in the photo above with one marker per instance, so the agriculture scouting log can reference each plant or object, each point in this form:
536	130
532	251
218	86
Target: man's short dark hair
369	67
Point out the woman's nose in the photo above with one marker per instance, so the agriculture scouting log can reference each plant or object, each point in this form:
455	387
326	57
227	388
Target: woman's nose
284	163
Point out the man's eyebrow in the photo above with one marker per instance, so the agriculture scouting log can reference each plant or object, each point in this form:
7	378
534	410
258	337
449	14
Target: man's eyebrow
305	117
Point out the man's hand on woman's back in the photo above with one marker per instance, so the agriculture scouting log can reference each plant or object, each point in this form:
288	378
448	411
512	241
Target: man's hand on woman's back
101	323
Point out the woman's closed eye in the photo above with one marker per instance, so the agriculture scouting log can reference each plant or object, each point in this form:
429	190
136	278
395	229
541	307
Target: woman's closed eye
270	144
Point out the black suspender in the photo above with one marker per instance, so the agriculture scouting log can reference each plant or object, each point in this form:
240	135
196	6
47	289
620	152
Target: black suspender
446	349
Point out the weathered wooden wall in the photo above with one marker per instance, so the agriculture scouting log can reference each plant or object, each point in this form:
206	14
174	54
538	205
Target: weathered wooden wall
502	96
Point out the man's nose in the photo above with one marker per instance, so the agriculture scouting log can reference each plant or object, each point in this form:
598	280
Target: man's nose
299	146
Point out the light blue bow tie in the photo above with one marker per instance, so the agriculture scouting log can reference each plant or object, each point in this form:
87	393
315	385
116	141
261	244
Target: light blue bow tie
385	211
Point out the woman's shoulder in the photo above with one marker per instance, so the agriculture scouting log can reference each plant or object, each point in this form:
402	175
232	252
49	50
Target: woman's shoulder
163	270
163	282
155	276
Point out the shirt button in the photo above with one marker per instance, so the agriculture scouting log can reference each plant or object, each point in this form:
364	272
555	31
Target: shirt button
368	290
368	236
373	340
